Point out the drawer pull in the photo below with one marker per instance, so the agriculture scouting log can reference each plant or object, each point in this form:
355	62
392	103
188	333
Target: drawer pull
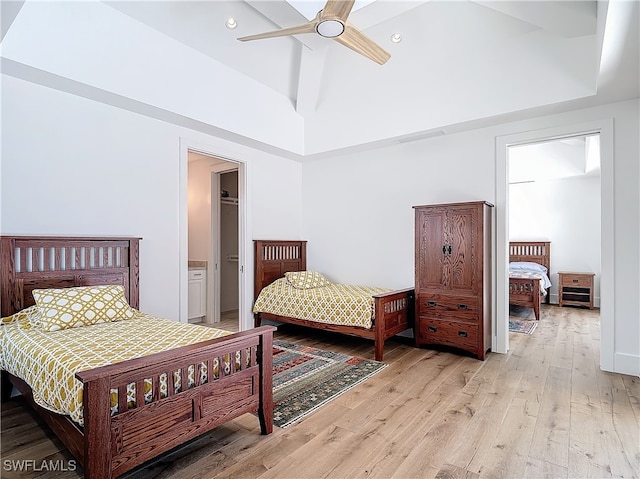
463	306
575	280
432	329
431	304
462	333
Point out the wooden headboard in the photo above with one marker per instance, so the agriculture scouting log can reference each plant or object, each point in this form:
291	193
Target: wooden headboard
272	259
31	262
533	251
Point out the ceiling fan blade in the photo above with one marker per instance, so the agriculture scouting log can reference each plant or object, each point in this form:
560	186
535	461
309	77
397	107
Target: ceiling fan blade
338	9
360	43
305	28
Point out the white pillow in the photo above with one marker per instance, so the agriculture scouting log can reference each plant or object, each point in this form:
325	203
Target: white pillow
527	266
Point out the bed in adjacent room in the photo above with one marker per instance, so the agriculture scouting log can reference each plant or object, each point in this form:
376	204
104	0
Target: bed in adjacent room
285	291
529	271
118	386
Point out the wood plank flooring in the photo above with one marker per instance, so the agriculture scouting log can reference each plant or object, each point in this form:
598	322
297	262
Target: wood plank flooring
544	410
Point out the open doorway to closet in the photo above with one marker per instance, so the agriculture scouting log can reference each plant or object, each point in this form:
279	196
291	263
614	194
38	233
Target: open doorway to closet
213	290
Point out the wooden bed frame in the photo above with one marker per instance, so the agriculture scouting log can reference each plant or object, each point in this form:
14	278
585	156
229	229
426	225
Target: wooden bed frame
107	446
524	291
393	310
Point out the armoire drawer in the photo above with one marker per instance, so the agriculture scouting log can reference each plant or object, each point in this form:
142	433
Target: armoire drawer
452	333
464	308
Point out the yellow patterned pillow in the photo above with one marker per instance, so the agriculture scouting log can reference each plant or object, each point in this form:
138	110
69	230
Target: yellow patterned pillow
306	279
82	306
26	318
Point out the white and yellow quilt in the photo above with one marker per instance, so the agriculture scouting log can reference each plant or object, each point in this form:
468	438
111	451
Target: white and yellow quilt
48	360
339	304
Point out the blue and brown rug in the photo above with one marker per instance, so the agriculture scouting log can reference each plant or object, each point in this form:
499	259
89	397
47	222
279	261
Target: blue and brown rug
522	320
306	378
522	326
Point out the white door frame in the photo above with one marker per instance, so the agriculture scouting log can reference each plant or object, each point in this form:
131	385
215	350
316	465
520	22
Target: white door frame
214	266
500	340
187	145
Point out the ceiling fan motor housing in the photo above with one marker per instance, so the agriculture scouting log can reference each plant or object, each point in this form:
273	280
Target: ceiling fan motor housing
330	28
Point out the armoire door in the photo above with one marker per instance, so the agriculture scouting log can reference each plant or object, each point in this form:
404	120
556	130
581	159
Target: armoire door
462	257
431	273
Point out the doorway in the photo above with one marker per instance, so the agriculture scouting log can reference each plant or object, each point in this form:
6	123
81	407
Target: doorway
211	237
500	340
554	195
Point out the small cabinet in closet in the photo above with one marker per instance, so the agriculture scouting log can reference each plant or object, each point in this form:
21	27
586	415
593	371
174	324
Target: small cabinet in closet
197	293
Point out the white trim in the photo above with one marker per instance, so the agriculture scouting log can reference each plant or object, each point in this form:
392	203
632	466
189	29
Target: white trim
500	338
213	300
627	364
183	233
187	145
244	253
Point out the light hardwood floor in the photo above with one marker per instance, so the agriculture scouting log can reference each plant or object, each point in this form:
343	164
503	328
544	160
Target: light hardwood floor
544	410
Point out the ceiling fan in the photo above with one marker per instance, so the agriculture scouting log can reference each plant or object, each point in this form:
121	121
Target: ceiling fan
331	22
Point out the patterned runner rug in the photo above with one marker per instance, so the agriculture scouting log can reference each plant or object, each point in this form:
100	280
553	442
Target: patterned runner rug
306	378
522	326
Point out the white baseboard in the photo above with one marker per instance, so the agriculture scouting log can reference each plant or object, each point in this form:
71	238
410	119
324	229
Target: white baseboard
627	364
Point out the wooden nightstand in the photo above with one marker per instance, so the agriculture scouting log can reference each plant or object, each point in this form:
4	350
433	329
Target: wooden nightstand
576	289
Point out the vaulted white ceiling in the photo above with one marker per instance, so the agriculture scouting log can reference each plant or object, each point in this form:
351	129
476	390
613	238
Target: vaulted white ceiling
459	64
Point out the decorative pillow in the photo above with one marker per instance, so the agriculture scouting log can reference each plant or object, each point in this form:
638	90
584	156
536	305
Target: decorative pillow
82	306
26	318
527	266
306	279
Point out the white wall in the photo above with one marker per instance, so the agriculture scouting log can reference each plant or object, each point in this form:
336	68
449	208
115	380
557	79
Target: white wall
358	215
74	166
567	213
359	221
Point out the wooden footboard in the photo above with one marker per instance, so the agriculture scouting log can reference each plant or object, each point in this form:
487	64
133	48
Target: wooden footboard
525	292
393	314
238	380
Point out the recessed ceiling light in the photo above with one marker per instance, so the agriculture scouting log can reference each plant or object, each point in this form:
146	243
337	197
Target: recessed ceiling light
396	38
231	23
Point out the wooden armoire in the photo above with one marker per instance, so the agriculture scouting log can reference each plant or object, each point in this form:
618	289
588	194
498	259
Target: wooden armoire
453	276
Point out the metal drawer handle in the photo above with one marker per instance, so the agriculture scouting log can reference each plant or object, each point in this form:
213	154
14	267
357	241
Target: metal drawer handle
432	329
463	306
431	304
462	333
576	280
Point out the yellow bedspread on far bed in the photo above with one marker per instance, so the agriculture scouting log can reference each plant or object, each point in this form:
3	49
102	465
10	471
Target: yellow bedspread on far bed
341	304
48	360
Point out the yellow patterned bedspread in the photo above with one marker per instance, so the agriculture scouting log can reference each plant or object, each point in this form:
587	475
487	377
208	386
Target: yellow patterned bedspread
48	361
340	304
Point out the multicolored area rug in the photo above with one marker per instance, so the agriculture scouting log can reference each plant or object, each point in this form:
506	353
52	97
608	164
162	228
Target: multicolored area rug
522	326
306	378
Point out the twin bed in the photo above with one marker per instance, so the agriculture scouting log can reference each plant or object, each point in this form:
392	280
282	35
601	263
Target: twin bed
529	274
114	416
309	299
